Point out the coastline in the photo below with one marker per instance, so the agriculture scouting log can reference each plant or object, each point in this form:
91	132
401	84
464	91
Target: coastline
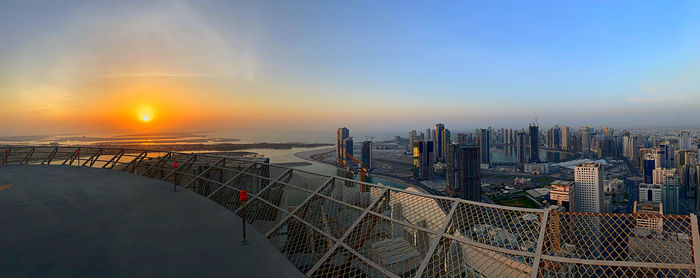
308	155
312	156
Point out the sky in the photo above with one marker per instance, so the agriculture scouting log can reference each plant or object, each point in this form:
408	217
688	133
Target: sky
282	67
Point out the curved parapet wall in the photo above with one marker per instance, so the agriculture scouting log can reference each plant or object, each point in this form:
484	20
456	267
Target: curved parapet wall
331	226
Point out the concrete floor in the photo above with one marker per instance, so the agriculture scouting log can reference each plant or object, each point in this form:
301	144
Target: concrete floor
63	221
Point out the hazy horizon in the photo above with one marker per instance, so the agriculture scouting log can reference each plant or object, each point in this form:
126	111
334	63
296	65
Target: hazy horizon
309	67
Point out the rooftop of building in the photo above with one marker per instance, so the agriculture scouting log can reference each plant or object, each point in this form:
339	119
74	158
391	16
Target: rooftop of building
562	182
650	185
62	221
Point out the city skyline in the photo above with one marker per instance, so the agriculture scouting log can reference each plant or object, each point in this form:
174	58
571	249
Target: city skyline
349	138
259	67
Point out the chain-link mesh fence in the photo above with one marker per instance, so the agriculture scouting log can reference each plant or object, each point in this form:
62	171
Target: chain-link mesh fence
338	227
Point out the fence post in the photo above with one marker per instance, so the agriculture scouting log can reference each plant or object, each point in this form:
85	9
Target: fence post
243	198
695	240
540	245
175	173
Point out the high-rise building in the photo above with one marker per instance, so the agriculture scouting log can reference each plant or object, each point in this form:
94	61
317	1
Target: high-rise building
665	155
565	138
684	142
367	154
671	194
688	180
412	136
428	134
585	139
446	141
683	157
438	141
650	193
508	136
463	138
554	138
629	145
463	172
484	145
423	159
588	180
521	147
660	174
648	168
660	157
341	134
564	194
348	149
534	143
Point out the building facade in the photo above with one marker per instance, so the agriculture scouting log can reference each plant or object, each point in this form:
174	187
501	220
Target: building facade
484	145
564	194
588	180
348	149
341	134
367	154
438	141
684	140
534	143
650	193
671	194
521	147
660	174
463	172
423	159
648	168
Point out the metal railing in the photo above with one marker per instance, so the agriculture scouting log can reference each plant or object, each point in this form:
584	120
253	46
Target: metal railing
330	226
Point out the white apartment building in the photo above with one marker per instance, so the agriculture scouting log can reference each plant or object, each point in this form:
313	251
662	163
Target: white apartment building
588	180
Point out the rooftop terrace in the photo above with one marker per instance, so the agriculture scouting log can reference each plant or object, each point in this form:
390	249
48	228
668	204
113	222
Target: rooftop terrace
323	226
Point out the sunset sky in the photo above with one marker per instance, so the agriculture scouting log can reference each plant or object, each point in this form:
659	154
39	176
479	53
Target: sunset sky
260	66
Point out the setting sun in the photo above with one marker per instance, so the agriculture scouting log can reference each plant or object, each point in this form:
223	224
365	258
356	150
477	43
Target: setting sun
145	114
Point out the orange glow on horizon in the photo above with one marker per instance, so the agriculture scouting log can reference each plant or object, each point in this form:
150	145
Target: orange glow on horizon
145	113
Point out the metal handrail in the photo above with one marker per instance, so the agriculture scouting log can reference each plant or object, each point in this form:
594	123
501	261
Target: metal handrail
545	254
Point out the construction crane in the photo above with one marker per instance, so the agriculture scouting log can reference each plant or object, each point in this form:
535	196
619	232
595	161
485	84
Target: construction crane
351	174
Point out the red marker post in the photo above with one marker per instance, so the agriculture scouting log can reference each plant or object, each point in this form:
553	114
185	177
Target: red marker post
78	157
243	198
175	181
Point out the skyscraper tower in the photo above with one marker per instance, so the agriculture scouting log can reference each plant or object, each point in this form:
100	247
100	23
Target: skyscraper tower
438	141
565	138
412	136
557	137
484	145
341	134
588	180
446	141
508	136
534	143
521	147
649	165
348	149
585	139
463	172
684	140
670	194
367	154
423	159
